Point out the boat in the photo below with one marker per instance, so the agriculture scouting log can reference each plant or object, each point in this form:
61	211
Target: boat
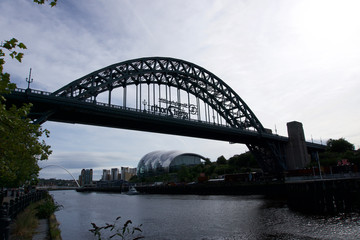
132	191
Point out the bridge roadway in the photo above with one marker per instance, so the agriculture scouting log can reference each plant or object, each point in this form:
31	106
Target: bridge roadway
47	107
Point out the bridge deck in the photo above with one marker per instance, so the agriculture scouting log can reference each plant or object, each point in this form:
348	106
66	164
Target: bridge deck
47	107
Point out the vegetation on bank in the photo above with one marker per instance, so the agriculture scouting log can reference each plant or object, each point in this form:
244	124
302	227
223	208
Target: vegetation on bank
337	151
26	222
54	231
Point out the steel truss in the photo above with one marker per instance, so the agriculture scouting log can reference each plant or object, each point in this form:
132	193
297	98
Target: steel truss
185	76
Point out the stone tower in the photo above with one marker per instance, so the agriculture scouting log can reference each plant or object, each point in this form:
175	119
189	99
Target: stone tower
297	156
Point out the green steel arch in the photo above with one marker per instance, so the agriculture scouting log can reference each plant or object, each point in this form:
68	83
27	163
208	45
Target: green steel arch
177	73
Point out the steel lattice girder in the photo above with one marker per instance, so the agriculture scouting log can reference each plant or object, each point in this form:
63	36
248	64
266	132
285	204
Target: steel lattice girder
171	72
185	76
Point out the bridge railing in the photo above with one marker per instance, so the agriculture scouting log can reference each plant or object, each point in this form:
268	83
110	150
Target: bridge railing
113	106
153	113
21	90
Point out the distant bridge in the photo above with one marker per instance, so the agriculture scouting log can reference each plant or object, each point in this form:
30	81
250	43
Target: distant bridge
163	95
54	165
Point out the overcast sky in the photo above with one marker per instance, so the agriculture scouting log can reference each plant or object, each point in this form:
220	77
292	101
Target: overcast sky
288	60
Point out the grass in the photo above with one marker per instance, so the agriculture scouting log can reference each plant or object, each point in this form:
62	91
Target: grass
55	232
46	208
26	222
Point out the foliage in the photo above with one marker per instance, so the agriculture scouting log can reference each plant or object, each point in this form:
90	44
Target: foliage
221	160
245	160
25	223
55	233
339	146
223	169
20	145
47	208
124	232
20	148
207	161
11	46
184	174
338	150
210	170
52	3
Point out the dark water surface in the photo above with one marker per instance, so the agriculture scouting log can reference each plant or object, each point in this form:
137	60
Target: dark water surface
198	217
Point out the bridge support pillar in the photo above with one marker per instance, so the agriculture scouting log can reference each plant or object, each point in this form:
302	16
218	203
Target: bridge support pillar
296	151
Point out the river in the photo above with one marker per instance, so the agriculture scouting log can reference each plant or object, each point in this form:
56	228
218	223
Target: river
197	217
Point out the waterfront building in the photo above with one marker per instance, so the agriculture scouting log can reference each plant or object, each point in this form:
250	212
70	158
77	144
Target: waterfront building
106	175
86	177
127	173
166	161
114	174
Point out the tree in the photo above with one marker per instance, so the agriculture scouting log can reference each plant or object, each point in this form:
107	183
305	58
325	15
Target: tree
221	160
20	145
244	160
338	150
339	146
223	169
11	46
207	161
184	174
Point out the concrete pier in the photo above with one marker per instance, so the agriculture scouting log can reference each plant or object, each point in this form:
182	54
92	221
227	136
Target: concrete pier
297	156
325	196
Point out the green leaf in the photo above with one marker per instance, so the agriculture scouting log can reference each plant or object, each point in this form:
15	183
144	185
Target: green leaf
53	3
39	1
22	46
12	55
19	56
10	44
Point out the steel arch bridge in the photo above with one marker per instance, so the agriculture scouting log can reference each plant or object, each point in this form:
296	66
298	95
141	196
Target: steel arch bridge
169	72
169	96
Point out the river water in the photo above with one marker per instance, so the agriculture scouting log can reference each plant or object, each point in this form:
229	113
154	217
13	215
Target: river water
197	217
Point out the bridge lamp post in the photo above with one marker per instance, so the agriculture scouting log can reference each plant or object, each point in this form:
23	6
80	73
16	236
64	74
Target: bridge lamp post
29	80
144	102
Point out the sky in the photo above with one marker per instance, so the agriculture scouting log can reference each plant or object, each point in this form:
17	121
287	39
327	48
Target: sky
288	60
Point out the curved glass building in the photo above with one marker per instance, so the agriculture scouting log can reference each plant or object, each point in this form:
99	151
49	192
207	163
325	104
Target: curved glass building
166	161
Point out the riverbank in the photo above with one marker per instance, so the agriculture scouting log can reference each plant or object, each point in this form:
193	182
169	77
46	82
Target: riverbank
45	229
36	221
